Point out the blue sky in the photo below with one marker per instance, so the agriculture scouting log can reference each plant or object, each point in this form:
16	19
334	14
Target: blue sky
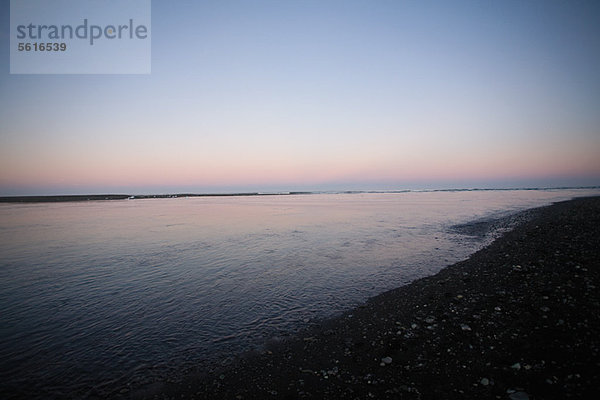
295	95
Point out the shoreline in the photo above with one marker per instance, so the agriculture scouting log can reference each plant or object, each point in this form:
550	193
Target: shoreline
114	197
519	319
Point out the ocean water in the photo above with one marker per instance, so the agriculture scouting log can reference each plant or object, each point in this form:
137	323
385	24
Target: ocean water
98	296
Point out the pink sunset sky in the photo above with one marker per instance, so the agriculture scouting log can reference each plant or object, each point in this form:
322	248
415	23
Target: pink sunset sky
320	95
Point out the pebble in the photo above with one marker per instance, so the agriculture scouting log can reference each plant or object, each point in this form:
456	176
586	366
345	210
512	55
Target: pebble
516	366
386	360
484	381
518	396
465	327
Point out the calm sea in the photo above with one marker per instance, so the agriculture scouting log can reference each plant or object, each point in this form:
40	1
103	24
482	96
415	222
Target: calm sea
96	296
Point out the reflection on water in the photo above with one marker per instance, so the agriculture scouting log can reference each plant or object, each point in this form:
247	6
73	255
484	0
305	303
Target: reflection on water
96	295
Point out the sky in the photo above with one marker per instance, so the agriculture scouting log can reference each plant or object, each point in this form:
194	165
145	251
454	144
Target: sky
319	95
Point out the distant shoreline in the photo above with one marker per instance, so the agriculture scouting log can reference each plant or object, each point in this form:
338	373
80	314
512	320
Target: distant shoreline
112	197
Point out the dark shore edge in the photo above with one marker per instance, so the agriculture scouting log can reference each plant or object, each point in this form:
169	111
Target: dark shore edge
519	319
114	197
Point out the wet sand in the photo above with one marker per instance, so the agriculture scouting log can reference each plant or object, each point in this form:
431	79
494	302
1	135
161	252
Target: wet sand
519	319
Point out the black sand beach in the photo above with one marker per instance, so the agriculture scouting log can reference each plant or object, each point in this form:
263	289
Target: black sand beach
519	319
